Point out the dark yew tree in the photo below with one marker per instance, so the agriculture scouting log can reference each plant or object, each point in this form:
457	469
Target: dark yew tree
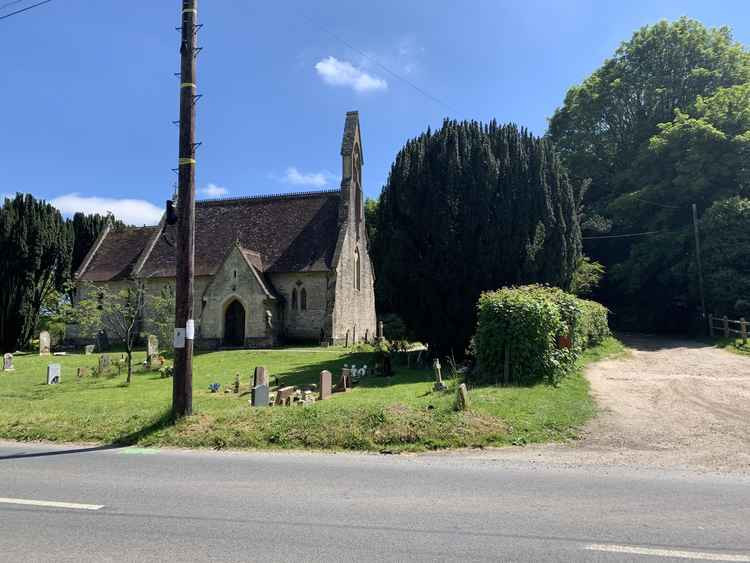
469	208
86	229
35	253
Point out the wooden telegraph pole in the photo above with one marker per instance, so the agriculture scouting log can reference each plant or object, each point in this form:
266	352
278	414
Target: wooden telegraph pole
184	334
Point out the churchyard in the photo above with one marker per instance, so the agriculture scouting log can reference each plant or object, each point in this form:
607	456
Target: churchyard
404	412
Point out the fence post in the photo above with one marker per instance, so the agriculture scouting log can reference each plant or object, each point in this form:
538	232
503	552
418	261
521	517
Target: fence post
743	330
726	326
711	325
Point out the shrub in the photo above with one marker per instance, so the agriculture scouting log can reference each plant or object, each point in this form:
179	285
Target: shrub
542	330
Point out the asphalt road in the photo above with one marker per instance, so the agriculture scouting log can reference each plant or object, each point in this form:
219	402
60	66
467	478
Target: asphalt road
187	506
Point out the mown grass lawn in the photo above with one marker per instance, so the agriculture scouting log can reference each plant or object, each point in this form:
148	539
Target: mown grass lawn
735	345
402	413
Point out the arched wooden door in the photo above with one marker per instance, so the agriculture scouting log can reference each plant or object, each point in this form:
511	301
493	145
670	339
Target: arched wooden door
234	324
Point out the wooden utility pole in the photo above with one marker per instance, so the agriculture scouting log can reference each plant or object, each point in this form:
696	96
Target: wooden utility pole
182	384
698	261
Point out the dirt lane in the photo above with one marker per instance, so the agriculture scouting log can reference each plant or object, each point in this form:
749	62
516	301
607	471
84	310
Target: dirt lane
666	404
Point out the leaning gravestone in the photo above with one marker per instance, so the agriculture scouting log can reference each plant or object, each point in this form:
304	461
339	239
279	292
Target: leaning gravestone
260	395
324	389
8	362
153	348
88	349
439	385
53	374
44	343
285	396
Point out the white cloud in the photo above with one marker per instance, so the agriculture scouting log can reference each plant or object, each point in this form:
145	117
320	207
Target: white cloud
212	190
130	211
309	179
343	73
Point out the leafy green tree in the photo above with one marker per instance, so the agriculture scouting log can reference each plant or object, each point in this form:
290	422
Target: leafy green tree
119	312
468	208
608	119
35	253
161	310
726	257
587	276
658	127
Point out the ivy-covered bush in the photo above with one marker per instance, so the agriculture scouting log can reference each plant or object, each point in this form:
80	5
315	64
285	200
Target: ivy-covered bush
542	331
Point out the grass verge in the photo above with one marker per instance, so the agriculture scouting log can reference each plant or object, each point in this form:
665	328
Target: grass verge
400	414
734	345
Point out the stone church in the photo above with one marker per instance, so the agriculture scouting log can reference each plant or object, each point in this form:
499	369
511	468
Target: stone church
268	269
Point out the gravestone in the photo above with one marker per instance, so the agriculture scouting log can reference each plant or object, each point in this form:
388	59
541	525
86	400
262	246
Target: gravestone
152	351
88	349
82	372
324	389
236	387
345	383
462	398
380	330
260	396
285	396
439	385
260	377
44	343
104	363
8	362
53	374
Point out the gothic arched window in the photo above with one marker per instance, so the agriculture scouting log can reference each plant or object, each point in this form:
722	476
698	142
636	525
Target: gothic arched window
357	269
303	299
294	299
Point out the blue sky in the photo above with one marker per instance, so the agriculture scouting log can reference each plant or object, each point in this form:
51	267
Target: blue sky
88	92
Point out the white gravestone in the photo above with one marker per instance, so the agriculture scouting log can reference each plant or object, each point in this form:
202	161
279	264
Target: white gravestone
53	374
44	343
8	362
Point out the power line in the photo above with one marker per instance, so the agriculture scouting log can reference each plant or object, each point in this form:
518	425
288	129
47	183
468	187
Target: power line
9	4
381	65
623	236
656	204
26	9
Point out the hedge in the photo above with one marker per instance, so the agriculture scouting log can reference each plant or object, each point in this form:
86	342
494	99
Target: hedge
542	330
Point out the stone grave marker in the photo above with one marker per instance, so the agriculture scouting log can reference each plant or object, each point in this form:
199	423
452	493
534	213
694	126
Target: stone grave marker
44	343
82	372
345	383
102	341
104	363
153	348
260	395
236	387
324	389
285	396
53	374
462	398
439	385
88	349
260	377
8	362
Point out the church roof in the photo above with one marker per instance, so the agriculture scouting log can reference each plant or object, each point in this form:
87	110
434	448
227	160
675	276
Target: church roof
281	233
117	254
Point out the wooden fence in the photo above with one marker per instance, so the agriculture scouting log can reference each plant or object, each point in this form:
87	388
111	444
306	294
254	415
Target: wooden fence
726	327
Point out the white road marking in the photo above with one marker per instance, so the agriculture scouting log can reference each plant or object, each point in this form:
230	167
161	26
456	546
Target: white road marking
667	552
51	503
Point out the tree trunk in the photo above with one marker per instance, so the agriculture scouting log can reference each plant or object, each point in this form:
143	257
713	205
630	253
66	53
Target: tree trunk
130	365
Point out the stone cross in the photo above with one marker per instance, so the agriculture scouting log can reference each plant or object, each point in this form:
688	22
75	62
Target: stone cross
53	374
8	362
324	389
153	348
88	349
44	343
260	396
260	377
439	385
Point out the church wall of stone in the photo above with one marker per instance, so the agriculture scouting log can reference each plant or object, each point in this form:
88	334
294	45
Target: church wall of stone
307	324
354	309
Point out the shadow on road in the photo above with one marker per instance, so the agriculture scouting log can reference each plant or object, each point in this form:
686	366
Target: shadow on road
60	452
656	342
